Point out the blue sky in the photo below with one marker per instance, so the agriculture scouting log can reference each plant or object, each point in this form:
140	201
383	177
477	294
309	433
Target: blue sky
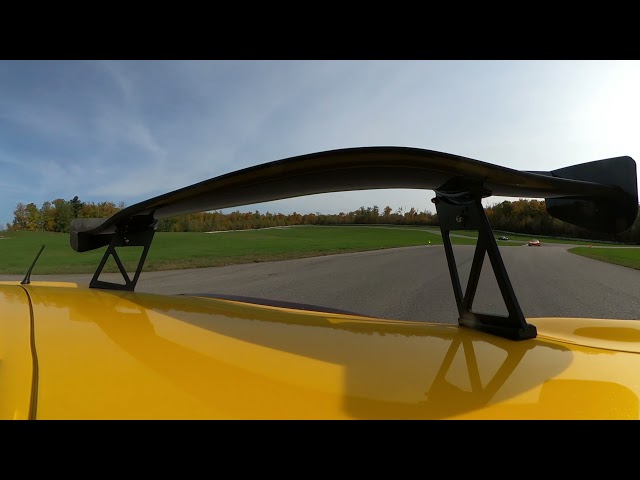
125	131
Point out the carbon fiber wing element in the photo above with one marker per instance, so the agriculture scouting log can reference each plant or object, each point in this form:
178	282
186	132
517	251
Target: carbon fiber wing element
600	195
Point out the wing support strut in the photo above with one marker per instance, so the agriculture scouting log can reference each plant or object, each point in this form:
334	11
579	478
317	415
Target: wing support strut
465	212
125	237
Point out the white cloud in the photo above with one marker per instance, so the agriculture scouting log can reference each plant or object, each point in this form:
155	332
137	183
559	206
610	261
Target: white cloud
129	130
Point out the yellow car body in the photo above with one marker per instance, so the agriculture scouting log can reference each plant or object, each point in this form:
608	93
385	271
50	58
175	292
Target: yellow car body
108	352
73	353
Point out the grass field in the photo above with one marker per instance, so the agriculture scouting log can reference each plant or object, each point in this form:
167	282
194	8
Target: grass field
627	257
194	250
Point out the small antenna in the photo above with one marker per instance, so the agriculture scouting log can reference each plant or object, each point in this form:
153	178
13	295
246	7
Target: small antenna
27	278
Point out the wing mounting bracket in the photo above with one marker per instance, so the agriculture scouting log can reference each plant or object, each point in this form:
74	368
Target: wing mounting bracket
127	236
465	212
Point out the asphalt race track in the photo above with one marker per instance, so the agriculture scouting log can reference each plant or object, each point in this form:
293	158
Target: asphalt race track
413	283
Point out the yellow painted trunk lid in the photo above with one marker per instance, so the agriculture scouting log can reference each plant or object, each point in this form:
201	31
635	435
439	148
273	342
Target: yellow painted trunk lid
110	354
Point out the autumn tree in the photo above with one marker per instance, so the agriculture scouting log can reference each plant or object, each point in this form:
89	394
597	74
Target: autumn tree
64	214
20	219
47	217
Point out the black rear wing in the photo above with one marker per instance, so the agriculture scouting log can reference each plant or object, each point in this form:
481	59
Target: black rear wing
601	195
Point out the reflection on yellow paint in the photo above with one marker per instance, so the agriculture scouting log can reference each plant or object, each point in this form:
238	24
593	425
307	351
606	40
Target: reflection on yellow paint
616	334
606	336
126	355
16	366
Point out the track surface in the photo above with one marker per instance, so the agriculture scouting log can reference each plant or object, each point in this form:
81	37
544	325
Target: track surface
413	283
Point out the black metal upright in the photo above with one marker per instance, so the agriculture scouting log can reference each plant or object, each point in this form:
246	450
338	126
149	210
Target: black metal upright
138	232
465	212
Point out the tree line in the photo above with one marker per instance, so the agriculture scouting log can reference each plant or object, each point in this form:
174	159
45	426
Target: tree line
56	215
521	216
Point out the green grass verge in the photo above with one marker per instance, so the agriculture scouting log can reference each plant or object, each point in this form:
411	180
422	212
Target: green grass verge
627	257
194	250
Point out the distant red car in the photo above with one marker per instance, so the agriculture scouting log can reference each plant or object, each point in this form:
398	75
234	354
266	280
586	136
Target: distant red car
534	243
